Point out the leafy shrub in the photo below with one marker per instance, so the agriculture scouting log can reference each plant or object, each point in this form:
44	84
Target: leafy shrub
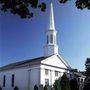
35	87
16	88
57	85
65	83
45	87
0	88
74	84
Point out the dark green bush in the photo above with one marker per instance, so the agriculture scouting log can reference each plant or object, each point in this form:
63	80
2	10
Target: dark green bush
45	87
35	87
0	88
65	83
16	88
74	84
57	85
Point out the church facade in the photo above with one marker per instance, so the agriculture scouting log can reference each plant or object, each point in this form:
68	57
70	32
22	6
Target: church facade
38	71
27	74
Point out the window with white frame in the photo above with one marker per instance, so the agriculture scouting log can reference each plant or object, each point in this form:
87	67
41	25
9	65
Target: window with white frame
56	73
46	72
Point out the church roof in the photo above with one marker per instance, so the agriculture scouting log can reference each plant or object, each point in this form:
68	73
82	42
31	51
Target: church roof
22	63
30	62
79	74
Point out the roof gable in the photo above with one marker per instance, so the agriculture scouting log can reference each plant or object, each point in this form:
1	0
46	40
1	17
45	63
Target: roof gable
55	60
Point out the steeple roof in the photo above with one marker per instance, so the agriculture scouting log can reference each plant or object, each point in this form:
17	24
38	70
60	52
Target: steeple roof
51	47
51	18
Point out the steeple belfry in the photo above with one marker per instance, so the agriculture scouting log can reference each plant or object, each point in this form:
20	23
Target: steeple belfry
51	21
51	47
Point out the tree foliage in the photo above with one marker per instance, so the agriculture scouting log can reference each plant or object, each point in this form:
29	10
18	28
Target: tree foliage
87	65
81	4
45	87
57	85
74	84
35	87
16	88
87	79
0	88
65	83
86	87
23	7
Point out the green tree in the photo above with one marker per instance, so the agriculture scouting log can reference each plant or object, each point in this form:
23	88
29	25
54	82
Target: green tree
74	84
35	87
16	88
65	83
0	88
86	87
87	65
87	79
45	87
57	85
23	7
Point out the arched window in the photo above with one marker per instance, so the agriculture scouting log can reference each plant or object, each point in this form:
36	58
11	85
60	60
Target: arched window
47	39
51	38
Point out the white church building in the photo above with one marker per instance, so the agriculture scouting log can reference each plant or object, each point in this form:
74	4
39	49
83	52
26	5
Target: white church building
38	71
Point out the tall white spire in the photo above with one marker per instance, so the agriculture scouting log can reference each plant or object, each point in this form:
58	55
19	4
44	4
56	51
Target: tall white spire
51	47
51	21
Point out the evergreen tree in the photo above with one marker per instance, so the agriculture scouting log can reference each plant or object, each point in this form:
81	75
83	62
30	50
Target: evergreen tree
86	87
65	83
87	79
87	65
0	88
45	87
16	88
35	87
57	85
74	85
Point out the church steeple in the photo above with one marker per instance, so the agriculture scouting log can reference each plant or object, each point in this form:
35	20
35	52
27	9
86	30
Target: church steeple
51	21
51	47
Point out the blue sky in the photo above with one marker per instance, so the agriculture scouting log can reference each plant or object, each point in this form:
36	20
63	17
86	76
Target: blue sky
24	39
